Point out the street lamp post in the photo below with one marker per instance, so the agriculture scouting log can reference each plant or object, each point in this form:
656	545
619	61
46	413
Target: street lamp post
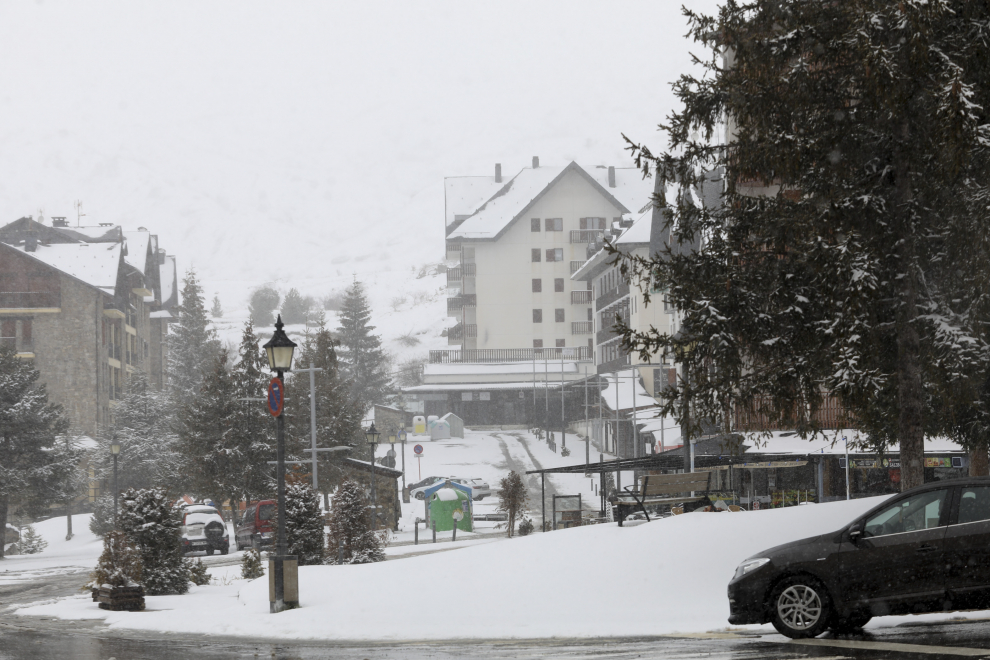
115	450
279	350
372	435
402	439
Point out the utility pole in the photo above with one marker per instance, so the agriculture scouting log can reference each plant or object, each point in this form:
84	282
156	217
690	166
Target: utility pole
563	421
587	431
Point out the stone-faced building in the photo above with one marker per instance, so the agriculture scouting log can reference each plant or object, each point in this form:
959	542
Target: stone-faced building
90	307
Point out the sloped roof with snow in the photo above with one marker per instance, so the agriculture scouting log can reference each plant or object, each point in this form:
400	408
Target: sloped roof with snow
97	234
628	390
635	192
137	243
464	194
517	196
168	281
95	264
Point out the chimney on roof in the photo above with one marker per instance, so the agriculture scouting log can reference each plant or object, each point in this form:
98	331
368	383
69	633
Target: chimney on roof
59	221
498	172
536	162
31	243
611	176
142	229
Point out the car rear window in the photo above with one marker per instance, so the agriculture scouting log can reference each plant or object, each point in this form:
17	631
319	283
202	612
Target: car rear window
266	512
200	518
974	505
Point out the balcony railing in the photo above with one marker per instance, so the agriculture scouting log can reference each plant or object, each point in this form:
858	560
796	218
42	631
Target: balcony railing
611	296
575	265
491	355
461	331
581	297
582	327
585	235
29	299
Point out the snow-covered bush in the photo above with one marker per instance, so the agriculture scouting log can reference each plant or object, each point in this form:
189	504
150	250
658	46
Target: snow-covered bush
151	523
251	568
30	543
526	526
120	564
198	574
102	521
565	452
351	540
304	524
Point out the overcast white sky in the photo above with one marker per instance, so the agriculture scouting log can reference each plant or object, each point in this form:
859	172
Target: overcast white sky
248	133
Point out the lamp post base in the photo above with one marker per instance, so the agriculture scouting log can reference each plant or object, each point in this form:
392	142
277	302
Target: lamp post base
286	566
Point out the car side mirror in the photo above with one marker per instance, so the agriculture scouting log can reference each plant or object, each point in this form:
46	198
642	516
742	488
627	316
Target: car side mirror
855	533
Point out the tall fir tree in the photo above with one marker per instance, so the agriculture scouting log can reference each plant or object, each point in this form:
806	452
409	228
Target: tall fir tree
295	308
849	254
191	344
350	539
304	524
252	425
338	418
364	363
215	459
34	464
151	523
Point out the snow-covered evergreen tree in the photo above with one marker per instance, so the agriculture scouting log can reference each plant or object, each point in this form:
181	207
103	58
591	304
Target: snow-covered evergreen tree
264	302
849	253
198	574
363	362
101	522
251	568
34	465
120	564
350	539
252	426
191	344
151	523
30	543
216	311
304	524
295	307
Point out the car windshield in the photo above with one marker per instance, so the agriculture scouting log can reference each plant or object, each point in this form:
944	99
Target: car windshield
266	512
922	511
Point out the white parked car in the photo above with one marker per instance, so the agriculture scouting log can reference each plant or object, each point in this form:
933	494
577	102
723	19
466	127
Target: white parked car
479	489
420	492
203	528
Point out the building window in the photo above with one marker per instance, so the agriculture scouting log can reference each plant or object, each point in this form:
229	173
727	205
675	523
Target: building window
558	315
537	285
592	223
26	331
537	343
8	333
554	224
591	314
558	284
591	346
554	254
534	224
536	254
560	343
537	316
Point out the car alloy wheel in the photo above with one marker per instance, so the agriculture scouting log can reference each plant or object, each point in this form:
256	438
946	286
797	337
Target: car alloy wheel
801	608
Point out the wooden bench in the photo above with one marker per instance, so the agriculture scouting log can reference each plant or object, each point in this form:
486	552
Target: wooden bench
662	489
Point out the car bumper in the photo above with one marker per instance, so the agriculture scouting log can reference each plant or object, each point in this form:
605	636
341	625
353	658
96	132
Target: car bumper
747	601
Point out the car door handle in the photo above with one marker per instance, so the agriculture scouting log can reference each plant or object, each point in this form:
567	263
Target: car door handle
926	548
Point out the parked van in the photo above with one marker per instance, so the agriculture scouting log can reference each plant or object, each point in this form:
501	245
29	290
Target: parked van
257	526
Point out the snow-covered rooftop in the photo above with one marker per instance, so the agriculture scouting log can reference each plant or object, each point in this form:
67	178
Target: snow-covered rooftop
167	279
832	443
93	234
464	194
635	192
467	369
622	385
95	264
453	387
137	248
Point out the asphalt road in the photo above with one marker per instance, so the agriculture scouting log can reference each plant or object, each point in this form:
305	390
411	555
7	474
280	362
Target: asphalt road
45	638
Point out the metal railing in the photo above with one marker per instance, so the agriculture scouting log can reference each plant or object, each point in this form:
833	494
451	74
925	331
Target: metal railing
29	299
582	327
581	297
458	273
461	331
487	355
611	296
575	265
585	235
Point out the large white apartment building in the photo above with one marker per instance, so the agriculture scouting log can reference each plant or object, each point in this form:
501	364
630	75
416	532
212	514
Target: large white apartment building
513	245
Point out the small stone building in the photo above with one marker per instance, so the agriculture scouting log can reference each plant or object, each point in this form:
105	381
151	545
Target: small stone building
386	489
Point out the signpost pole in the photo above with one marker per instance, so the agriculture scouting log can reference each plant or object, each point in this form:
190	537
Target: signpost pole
847	466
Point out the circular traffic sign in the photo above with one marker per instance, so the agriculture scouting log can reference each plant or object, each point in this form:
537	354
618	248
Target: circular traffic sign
418	449
276	397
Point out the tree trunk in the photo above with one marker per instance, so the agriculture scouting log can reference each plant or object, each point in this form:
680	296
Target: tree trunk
3	522
979	462
68	520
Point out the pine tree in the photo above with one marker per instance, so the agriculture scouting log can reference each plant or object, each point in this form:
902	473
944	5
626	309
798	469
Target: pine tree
304	524
251	425
849	253
363	361
31	542
191	344
216	311
295	308
350	539
511	498
251	568
215	456
338	419
264	302
101	522
144	426
34	465
198	574
151	523
120	564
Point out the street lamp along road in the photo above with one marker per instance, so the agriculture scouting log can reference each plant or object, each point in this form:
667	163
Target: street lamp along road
115	450
372	436
279	350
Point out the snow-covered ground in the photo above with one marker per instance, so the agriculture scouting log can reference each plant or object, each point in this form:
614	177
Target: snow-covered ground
673	577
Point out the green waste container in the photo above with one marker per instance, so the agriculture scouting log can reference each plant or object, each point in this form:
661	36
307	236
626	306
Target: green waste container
443	503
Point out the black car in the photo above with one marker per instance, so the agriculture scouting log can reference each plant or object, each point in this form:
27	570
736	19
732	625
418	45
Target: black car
924	550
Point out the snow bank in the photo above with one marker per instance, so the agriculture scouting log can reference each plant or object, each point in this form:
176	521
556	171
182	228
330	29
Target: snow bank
81	552
666	576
